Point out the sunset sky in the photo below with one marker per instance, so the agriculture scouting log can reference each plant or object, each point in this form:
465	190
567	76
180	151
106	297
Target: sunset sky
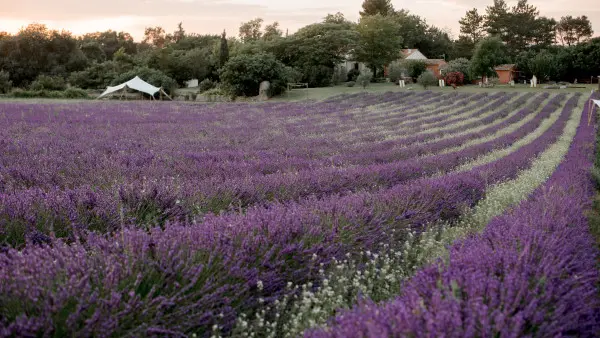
212	16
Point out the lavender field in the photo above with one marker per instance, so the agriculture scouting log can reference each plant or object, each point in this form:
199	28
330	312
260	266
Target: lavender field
417	214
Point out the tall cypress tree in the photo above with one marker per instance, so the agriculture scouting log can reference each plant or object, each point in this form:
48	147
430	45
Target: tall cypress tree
224	55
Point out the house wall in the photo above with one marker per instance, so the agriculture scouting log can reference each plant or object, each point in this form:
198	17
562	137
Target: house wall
435	69
505	76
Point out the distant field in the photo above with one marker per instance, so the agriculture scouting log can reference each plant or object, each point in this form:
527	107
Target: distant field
174	219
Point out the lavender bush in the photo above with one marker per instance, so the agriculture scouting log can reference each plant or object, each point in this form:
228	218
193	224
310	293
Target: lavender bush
532	272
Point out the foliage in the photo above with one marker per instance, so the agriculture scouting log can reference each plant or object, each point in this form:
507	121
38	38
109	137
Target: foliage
374	7
223	51
543	65
456	78
315	50
378	42
75	93
272	32
69	93
352	74
152	76
93	51
37	50
250	31
395	71
489	53
155	36
573	30
364	79
205	85
520	26
97	76
416	33
460	65
350	84
292	75
45	82
427	79
415	67
340	74
243	74
5	82
471	26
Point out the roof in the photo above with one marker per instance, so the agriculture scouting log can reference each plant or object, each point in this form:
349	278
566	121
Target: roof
506	67
135	83
435	62
413	54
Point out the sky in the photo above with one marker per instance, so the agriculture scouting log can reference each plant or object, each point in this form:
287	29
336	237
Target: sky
214	16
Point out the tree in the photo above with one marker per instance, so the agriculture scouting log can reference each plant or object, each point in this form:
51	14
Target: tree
460	65
572	30
374	7
454	78
489	53
496	19
415	67
364	79
427	79
155	36
315	50
395	71
519	28
543	65
378	42
93	52
250	31
5	82
243	74
179	34
472	25
337	18
272	32
224	50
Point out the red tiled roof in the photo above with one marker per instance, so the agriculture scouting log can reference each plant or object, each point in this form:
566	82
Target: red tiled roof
506	67
435	61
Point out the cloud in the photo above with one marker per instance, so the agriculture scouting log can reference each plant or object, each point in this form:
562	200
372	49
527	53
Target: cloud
212	16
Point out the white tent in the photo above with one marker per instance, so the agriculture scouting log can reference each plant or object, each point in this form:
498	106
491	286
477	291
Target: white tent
136	84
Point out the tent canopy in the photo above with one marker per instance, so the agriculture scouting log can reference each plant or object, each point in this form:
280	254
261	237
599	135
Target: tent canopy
136	84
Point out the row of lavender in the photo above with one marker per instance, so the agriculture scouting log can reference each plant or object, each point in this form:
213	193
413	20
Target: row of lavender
186	278
39	210
532	272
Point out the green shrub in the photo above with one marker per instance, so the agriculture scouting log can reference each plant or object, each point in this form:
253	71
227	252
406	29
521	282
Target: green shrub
460	65
350	83
292	75
242	74
364	79
415	67
5	82
339	75
75	93
427	79
395	71
45	82
353	74
97	76
206	84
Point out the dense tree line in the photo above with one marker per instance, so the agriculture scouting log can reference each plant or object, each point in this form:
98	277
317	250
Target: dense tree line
552	49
